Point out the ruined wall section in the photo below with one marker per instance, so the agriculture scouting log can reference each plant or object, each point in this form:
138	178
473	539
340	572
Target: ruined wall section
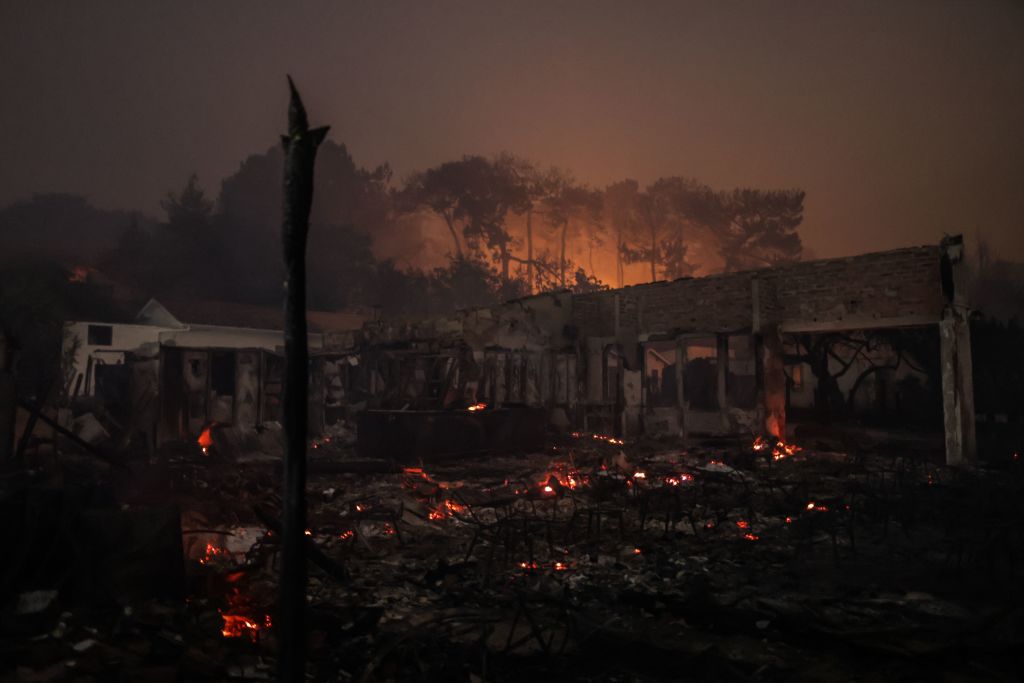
899	285
719	303
593	314
903	285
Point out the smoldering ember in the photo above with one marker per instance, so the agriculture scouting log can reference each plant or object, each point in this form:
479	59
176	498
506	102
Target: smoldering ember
504	421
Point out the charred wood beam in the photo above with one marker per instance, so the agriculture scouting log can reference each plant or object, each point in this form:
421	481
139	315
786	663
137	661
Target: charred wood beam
300	146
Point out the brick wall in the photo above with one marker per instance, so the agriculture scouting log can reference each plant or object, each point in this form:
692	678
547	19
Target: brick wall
899	284
904	283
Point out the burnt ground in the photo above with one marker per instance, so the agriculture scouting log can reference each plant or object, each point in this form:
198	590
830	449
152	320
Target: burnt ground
593	561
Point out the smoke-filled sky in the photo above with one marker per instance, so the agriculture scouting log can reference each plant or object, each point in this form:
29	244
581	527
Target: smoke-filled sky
901	120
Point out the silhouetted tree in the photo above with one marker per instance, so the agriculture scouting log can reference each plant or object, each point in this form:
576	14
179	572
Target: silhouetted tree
566	206
352	206
758	228
620	209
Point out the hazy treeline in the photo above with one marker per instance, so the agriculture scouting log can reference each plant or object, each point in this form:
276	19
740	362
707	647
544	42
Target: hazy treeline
466	232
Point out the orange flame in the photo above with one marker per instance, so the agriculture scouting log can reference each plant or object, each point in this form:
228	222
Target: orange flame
205	439
212	551
236	626
476	407
780	450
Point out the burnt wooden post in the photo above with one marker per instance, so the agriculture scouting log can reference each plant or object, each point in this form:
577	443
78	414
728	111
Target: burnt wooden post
300	145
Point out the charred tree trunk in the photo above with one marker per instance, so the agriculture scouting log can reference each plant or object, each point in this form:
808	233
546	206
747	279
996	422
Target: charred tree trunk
620	272
654	253
561	262
529	250
450	222
300	147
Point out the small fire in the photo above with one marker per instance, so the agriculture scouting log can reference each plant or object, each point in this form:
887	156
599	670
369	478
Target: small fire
236	626
477	406
780	450
237	619
639	475
212	552
436	515
205	439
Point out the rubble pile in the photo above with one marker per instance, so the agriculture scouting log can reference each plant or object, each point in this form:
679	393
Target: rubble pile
594	560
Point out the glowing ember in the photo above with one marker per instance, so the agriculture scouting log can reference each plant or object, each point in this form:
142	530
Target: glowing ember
308	532
810	506
789	520
205	439
346	535
548	489
639	475
236	626
436	515
476	407
238	619
743	524
212	551
80	274
637	551
600	437
560	566
528	566
453	507
751	537
780	450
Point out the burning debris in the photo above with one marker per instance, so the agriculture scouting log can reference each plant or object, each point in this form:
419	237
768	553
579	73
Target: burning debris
552	562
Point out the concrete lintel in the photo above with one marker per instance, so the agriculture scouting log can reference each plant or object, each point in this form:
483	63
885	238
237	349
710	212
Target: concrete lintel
794	326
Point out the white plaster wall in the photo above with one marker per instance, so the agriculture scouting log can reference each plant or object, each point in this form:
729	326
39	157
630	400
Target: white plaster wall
129	337
124	337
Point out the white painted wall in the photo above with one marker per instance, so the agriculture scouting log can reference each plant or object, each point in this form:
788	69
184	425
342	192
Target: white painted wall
124	337
135	338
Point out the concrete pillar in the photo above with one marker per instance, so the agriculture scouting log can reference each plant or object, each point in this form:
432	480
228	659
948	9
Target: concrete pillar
957	386
773	383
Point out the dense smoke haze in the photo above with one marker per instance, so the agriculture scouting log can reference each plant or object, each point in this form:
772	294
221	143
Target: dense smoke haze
900	122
